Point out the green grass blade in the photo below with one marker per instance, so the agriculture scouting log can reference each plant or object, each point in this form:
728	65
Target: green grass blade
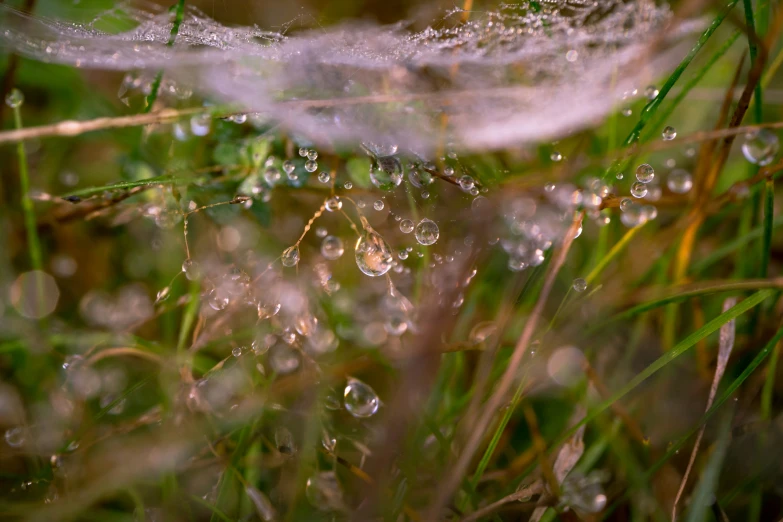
693	82
769	210
754	51
704	494
672	354
734	245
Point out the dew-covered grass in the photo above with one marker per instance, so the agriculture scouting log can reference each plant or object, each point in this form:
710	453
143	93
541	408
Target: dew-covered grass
489	262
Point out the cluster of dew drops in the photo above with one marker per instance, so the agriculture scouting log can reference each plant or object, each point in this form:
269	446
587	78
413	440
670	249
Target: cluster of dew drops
532	227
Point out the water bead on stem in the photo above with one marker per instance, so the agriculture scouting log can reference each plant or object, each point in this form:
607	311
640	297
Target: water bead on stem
290	256
669	133
638	189
760	147
427	232
645	173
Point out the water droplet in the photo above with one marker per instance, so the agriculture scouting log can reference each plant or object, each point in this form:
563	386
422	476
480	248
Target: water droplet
403	254
289	166
619	175
324	177
425	194
466	182
448	171
236	351
14	99
291	256
649	212
324	492
427	232
199	124
303	151
626	111
419	178
633	216
638	189
311	166
312	154
580	285
556	156
669	133
645	173
406	226
388	174
348	185
373	254
218	299
760	147
272	175
283	359
334	204
332	247
679	181
360	400
378	205
15	437
321	232
651	92
192	269
284	441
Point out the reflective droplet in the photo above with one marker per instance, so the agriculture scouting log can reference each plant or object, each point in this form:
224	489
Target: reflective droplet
760	147
669	133
638	189
236	351
556	156
448	171
645	173
324	177
332	247
373	254
466	183
633	216
14	99
679	181
334	204
289	166
272	175
218	299
360	400
312	154
290	256
303	151
283	359
419	178
651	92
406	226
192	269
619	175
311	166
580	285
323	491
15	437
388	174
427	232
378	205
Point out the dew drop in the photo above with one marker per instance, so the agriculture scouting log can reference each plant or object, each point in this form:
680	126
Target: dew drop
324	177
760	147
360	400
378	205
466	183
291	256
289	166
334	204
556	156
303	151
651	92
332	247
669	133
580	285
427	232
272	175
15	437
406	226
388	175
312	154
448	171
679	181
638	189
311	165
373	254
14	99
323	491
192	269
321	232
645	173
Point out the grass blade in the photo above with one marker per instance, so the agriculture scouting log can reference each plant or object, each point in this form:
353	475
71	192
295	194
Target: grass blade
679	349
